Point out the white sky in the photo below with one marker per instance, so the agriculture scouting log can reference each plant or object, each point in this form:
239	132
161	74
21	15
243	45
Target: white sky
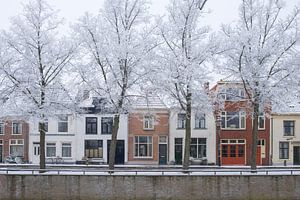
221	11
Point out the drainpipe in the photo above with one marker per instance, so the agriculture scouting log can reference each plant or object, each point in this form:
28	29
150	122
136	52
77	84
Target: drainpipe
271	140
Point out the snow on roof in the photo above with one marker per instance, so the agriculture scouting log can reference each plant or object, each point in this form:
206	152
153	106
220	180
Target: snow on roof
290	108
153	102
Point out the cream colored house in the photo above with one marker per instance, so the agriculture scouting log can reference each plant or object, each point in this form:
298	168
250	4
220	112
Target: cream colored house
203	137
285	136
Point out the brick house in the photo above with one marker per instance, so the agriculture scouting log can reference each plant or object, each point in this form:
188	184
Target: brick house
148	133
14	138
234	132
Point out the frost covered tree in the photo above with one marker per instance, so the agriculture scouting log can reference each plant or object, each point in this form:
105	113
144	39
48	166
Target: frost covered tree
261	53
115	47
181	73
34	62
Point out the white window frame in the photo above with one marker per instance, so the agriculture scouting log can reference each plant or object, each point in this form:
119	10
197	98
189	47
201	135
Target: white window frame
53	144
182	125
199	117
69	146
240	96
136	154
242	117
148	122
260	116
20	128
2	128
63	119
16	142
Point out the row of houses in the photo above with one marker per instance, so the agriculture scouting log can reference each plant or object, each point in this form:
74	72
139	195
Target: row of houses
153	134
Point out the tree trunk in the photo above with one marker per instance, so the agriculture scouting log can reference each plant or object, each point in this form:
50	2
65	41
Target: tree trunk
42	145
254	135
187	142
113	142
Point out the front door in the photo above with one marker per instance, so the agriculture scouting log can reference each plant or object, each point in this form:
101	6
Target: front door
1	154
178	151
296	155
120	152
162	154
36	153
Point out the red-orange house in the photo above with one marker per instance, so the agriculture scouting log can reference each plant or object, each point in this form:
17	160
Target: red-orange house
234	126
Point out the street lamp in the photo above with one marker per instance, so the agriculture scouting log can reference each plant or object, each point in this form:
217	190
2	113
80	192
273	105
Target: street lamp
218	129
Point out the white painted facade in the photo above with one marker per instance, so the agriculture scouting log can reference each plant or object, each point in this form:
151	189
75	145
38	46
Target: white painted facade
75	136
209	133
291	141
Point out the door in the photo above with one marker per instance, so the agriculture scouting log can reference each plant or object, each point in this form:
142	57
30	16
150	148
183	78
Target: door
163	154
1	154
296	155
36	153
258	156
120	152
178	151
233	154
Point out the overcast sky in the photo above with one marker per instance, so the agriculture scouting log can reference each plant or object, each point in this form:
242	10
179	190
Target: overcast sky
221	11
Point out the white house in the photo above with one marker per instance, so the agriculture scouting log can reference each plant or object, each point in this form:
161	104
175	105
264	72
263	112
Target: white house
80	137
203	137
285	136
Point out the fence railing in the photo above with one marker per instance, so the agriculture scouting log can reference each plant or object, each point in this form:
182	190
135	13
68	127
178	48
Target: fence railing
150	172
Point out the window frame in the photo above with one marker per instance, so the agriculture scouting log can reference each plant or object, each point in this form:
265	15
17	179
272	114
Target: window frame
241	119
17	142
150	119
284	151
2	128
293	128
99	146
200	119
19	128
50	145
105	129
181	120
91	124
64	119
199	145
63	146
149	146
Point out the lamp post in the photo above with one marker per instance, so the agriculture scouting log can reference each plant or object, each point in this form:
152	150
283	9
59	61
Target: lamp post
218	129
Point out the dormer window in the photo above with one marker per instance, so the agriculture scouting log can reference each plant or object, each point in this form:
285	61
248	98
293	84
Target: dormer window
148	122
233	94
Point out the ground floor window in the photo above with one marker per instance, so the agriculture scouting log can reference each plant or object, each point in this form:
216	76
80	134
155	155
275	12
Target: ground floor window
50	150
283	150
66	150
198	147
16	147
233	148
143	146
93	148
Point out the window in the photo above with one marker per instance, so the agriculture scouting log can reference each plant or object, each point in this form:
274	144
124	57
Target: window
224	150
198	147
17	128
261	121
106	125
283	150
50	150
46	125
288	128
233	94
232	150
93	148
181	121
148	122
1	128
36	148
16	147
63	124
234	120
241	150
91	125
66	150
200	120
143	146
